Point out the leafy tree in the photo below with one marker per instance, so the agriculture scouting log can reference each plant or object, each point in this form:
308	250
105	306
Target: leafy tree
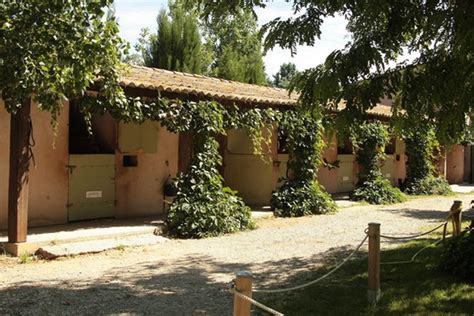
284	76
52	51
177	43
236	44
439	33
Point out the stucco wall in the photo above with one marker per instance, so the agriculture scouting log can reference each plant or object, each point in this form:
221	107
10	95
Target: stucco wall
328	178
400	160
455	164
48	179
253	177
139	190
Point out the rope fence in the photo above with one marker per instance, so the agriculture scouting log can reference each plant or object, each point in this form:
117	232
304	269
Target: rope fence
337	267
256	303
242	288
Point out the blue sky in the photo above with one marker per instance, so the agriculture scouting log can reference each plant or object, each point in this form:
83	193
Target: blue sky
133	15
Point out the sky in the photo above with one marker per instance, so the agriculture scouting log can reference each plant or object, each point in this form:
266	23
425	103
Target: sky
133	15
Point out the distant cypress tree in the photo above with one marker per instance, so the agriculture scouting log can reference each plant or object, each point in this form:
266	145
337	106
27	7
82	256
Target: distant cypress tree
177	43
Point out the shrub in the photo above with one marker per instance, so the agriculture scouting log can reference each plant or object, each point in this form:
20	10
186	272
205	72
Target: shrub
203	206
378	191
421	144
300	193
428	185
458	256
299	199
369	140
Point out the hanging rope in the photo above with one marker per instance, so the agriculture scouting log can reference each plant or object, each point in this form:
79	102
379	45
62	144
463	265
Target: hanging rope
413	236
318	279
256	303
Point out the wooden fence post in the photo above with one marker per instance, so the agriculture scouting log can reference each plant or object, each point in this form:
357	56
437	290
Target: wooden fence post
243	284
456	215
373	292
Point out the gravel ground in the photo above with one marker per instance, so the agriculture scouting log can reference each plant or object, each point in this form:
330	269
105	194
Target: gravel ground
189	277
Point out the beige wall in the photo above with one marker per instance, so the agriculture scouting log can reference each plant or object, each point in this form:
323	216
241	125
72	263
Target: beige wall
455	164
328	178
400	160
48	180
252	176
139	190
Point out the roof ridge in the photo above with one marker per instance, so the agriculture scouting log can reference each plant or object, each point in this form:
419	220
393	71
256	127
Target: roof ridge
187	74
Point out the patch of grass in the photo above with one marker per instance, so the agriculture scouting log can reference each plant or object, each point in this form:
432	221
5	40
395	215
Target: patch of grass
27	258
120	248
415	288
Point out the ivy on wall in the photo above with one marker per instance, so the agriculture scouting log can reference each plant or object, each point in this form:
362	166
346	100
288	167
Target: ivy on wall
301	194
422	138
421	145
203	207
369	140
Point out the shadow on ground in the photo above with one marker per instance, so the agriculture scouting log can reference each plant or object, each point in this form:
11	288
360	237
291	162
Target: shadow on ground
192	286
414	288
197	285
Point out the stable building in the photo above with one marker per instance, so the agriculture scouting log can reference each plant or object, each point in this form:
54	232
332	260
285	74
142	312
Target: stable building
121	169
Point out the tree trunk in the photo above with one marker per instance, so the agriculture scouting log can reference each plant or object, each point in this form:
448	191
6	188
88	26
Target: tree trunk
20	130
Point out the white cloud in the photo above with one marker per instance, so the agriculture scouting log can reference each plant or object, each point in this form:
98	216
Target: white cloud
133	15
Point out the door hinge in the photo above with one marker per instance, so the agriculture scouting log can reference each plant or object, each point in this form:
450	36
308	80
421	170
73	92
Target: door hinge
70	168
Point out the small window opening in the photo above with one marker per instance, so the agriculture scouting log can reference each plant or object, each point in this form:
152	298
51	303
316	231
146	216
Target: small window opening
344	148
130	161
102	140
390	147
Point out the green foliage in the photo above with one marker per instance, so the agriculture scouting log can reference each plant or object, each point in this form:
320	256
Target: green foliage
236	44
421	144
457	257
439	82
377	191
203	207
301	193
369	140
429	185
299	198
283	77
54	50
259	126
177	43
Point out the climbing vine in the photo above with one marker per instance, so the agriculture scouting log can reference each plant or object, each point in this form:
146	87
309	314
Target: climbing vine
301	194
421	145
369	140
203	207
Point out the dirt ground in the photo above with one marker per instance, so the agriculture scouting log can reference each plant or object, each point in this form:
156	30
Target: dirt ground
191	277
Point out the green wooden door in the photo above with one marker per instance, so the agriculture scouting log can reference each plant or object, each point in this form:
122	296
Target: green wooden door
388	169
91	187
345	173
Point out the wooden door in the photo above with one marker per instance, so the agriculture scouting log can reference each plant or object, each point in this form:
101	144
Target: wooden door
91	187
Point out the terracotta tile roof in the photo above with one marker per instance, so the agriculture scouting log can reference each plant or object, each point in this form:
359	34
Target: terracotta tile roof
213	88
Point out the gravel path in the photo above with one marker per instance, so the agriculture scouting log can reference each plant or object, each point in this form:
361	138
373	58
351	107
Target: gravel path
188	277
